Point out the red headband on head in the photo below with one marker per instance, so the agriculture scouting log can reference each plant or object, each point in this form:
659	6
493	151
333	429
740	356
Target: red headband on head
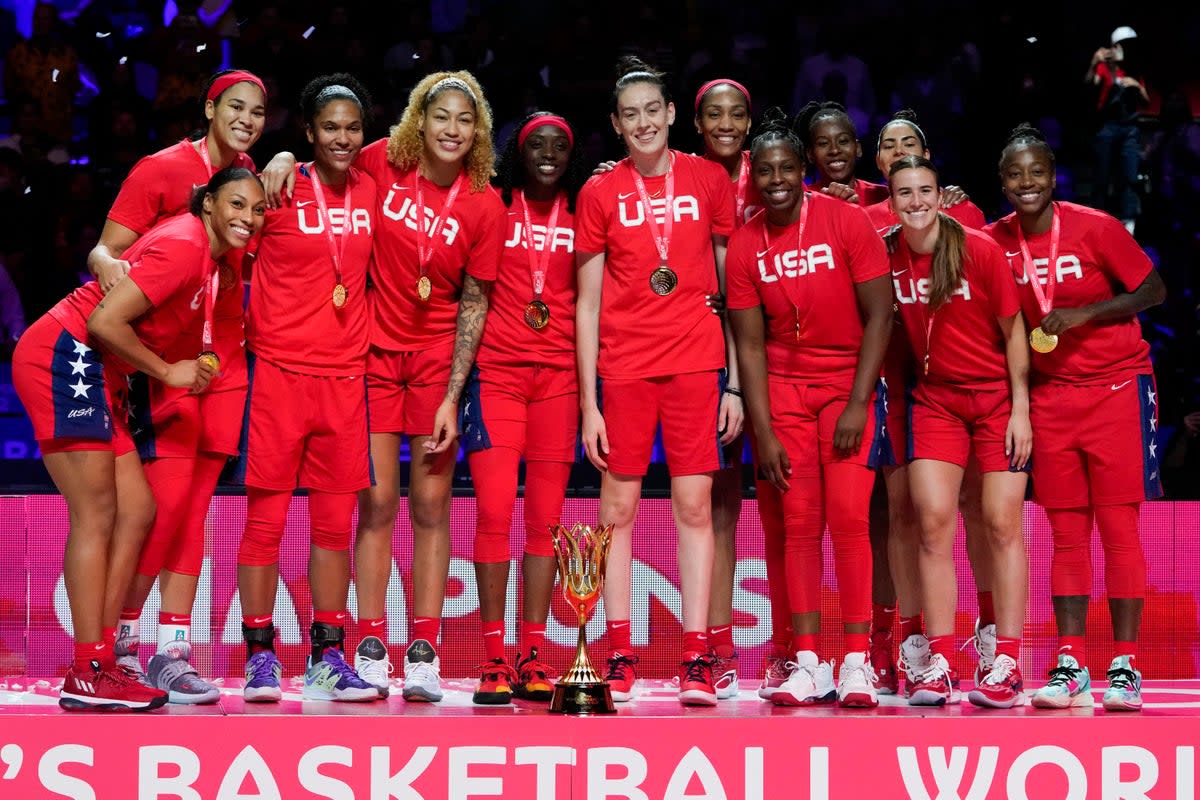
545	119
229	79
704	90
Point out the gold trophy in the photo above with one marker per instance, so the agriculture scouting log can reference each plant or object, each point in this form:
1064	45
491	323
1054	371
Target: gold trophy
582	559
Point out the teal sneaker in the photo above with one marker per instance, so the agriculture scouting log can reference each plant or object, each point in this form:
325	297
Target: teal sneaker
1070	686
1124	692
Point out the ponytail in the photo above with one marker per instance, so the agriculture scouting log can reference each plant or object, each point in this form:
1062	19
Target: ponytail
949	253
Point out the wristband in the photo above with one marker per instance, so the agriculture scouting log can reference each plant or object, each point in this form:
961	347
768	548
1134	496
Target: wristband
733	390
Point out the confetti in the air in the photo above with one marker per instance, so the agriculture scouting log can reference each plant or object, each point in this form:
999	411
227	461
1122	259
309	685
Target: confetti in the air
122	60
1032	40
200	48
54	76
309	32
103	35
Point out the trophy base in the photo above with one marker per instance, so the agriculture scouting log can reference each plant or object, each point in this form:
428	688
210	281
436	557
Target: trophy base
582	698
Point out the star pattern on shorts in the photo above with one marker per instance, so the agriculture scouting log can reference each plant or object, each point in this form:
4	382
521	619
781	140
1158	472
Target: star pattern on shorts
79	366
1150	396
82	349
80	388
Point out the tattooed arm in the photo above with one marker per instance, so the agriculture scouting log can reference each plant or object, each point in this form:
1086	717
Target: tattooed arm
472	314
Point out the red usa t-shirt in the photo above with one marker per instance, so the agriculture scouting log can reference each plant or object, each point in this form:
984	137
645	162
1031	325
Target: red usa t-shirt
642	334
173	266
160	186
1097	259
507	339
965	345
809	292
966	212
470	242
292	321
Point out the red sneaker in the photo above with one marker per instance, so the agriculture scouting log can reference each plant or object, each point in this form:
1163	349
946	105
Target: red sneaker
696	681
533	678
937	686
883	661
1002	687
621	675
496	678
725	675
111	689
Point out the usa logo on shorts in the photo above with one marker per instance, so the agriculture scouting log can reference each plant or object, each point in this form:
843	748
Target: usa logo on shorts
1148	404
77	385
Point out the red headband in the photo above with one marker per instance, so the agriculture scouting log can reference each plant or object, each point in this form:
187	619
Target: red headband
704	90
223	82
545	119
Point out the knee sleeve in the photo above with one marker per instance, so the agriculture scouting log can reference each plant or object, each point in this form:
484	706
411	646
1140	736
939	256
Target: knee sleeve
170	482
1071	565
803	515
545	488
494	475
266	513
847	509
186	553
329	516
1124	561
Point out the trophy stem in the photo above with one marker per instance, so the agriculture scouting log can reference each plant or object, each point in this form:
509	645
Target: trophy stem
582	690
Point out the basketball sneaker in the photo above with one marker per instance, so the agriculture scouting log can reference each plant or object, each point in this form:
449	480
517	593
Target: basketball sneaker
1002	687
883	662
495	683
1070	686
1124	692
777	672
170	670
422	678
914	660
696	680
621	675
263	675
372	664
725	676
533	678
937	685
111	689
856	683
125	650
985	645
331	678
810	683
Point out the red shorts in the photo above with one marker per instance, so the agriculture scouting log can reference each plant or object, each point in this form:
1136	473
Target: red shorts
533	410
685	405
804	419
60	382
948	422
165	421
221	420
404	390
1095	444
308	430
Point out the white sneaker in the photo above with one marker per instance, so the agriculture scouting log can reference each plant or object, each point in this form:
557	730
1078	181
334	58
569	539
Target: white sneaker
372	664
811	682
856	683
985	646
422	678
914	660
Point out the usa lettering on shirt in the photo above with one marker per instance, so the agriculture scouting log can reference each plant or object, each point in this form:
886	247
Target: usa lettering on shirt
793	263
311	221
1068	266
562	240
407	213
629	211
909	291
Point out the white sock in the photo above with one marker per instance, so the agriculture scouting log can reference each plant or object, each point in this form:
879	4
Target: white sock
128	628
171	632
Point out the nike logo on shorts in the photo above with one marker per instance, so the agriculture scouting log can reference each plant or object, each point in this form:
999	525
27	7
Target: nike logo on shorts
1117	386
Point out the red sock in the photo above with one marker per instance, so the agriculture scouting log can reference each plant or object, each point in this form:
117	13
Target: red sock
1125	649
720	639
781	643
1072	646
335	618
857	642
493	640
373	627
109	637
532	634
882	618
167	618
1009	646
804	641
943	645
86	652
618	635
987	613
912	626
694	642
426	628
130	614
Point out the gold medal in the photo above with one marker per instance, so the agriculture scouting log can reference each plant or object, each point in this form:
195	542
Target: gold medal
424	287
339	296
211	359
663	281
537	314
1041	341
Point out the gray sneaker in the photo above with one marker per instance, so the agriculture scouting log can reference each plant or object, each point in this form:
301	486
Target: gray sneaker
422	681
172	672
125	649
372	664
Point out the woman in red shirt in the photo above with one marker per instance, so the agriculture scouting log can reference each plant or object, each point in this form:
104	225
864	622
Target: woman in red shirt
959	306
832	147
76	397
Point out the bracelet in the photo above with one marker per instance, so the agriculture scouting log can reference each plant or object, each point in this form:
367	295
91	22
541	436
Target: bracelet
733	390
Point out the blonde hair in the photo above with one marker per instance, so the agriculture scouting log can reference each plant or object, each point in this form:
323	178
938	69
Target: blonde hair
405	144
